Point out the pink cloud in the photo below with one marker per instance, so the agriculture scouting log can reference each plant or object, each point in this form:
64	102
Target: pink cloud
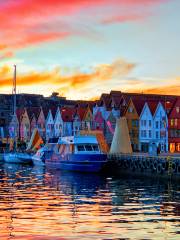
23	22
122	19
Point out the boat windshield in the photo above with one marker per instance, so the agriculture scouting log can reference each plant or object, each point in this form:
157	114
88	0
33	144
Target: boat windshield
87	147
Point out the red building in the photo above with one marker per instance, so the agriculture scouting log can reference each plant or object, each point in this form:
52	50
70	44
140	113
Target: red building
174	127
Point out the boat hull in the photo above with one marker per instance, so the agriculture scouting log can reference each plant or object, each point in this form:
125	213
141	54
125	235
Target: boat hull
74	162
22	158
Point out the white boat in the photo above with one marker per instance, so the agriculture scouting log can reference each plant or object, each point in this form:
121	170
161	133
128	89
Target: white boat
74	153
17	157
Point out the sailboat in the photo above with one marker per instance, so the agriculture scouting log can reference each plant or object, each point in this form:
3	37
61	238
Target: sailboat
14	156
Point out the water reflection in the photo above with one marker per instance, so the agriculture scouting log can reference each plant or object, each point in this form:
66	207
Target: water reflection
41	204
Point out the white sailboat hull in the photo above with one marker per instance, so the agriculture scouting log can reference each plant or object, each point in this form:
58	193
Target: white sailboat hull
17	158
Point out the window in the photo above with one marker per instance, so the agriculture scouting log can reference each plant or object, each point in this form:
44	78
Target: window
175	122
172	133
137	123
144	122
149	133
145	133
177	109
88	147
130	110
134	123
157	134
172	122
142	133
95	148
80	148
149	123
157	124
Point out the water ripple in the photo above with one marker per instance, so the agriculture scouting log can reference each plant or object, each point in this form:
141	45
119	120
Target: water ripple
41	204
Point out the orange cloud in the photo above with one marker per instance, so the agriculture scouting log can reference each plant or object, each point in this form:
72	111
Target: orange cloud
101	74
3	46
170	89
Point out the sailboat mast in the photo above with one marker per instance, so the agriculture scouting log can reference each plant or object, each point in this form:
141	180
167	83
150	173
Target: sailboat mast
14	91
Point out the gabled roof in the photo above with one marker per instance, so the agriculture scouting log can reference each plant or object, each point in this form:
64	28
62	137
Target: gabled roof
98	115
19	113
138	104
33	111
116	100
53	111
105	98
45	112
115	93
81	112
153	106
67	114
172	113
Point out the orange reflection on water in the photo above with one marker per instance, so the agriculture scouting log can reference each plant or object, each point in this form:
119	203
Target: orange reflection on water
39	204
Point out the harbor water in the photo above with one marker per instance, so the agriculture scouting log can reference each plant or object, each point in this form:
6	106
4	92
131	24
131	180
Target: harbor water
37	203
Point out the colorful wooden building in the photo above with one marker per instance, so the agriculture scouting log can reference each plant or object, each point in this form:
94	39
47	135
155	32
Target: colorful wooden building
50	123
109	127
174	127
41	122
153	128
58	124
25	128
132	114
67	115
33	113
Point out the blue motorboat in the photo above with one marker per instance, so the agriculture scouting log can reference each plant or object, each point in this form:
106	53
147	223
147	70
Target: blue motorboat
74	153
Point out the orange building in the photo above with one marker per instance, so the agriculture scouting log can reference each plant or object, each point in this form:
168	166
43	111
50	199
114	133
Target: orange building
132	114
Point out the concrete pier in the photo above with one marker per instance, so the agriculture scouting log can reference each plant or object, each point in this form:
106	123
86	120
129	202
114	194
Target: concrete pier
139	164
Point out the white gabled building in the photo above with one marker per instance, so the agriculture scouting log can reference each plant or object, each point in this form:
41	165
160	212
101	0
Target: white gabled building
153	131
50	124
160	127
145	128
58	124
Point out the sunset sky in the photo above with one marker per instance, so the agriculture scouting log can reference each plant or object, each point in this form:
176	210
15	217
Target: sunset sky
82	48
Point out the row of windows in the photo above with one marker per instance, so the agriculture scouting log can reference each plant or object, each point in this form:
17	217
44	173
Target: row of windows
174	133
87	148
134	133
135	123
146	123
174	122
158	124
148	134
145	133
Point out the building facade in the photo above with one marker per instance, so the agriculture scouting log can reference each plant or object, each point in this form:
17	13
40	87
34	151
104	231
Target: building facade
174	127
